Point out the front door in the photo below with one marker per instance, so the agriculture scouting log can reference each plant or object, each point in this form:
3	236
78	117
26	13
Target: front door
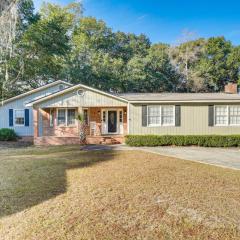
112	121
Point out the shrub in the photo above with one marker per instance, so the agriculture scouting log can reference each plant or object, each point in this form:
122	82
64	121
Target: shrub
7	134
184	140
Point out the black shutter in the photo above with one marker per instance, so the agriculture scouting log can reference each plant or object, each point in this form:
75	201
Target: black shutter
144	116
177	115
10	113
26	113
210	115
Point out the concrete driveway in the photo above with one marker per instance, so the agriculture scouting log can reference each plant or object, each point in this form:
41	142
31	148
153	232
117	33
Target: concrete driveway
224	157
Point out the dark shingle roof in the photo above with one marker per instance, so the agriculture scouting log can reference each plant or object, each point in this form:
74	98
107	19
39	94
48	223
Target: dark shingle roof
179	96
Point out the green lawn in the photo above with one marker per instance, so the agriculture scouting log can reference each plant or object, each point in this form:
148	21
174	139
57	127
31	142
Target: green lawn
64	193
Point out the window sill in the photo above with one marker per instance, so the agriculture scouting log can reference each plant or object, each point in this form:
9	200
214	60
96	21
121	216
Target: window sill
154	126
66	126
236	125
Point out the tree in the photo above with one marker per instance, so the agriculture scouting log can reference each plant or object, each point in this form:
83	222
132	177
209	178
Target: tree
213	64
233	64
43	48
185	57
99	57
17	19
153	73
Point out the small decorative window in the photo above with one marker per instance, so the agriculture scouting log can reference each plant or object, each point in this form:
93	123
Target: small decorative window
80	92
61	87
19	117
121	116
104	116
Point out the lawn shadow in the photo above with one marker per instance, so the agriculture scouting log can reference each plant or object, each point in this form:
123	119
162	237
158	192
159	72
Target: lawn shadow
27	180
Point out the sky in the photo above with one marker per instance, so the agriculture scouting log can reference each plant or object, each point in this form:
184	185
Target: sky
165	21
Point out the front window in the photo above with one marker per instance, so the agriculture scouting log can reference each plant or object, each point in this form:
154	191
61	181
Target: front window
234	115
154	115
71	117
227	115
66	117
167	115
19	117
161	115
221	115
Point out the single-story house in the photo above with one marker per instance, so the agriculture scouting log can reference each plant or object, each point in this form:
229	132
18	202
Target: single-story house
48	114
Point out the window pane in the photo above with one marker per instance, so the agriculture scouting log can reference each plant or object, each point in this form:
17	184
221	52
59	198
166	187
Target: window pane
61	116
167	115
71	117
19	117
154	115
234	117
221	115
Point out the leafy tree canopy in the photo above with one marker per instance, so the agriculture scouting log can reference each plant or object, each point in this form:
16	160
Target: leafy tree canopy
60	43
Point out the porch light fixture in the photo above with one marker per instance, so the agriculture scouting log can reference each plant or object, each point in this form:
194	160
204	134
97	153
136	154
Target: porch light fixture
99	113
125	112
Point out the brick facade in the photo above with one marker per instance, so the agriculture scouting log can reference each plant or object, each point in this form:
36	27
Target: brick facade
60	135
231	88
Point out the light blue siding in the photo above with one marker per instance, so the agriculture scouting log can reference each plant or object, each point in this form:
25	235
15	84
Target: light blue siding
20	104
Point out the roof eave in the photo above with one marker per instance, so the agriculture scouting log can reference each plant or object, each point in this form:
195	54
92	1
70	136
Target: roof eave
185	101
35	90
73	88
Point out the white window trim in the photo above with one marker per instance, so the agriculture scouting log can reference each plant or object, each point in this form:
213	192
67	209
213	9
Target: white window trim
51	115
14	119
66	118
228	116
162	125
87	115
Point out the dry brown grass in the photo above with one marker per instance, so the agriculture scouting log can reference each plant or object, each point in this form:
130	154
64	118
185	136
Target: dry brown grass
63	193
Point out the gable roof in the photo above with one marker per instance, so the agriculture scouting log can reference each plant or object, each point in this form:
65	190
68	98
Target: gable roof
180	97
73	88
36	90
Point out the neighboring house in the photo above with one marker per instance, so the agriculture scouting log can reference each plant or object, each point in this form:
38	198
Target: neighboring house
16	115
110	117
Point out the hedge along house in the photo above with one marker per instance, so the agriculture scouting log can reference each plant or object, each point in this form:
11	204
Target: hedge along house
16	115
110	117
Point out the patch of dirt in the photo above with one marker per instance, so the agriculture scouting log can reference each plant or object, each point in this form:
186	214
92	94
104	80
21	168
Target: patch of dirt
14	144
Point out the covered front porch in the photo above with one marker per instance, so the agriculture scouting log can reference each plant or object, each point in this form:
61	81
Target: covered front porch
59	125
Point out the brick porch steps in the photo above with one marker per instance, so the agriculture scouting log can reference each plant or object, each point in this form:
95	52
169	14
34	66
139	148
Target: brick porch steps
105	140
